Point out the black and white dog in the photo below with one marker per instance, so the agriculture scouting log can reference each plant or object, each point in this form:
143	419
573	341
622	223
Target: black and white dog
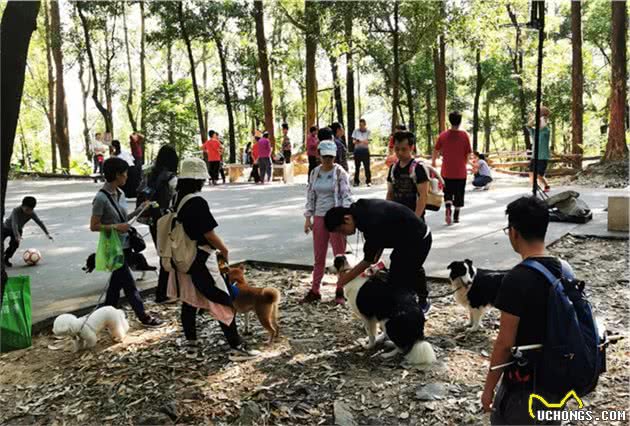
395	309
475	289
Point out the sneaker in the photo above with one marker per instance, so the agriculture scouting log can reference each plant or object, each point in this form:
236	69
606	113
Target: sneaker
152	322
456	216
356	184
426	307
487	187
241	353
311	297
339	298
448	216
369	185
192	348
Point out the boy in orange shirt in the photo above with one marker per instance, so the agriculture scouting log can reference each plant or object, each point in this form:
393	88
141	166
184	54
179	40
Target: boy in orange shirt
214	150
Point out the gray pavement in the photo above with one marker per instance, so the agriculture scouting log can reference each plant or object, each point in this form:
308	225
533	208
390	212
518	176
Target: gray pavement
257	223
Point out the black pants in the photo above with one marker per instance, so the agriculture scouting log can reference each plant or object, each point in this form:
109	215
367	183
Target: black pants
189	323
13	243
122	279
160	291
454	190
213	170
287	156
98	165
406	268
254	174
312	163
511	405
362	156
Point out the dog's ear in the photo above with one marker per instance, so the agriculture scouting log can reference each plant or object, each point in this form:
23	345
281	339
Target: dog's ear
468	261
451	266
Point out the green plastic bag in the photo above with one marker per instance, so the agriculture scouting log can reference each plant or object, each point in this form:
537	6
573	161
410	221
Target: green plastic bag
15	315
109	253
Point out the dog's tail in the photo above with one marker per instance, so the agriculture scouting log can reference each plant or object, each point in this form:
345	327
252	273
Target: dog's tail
270	295
421	353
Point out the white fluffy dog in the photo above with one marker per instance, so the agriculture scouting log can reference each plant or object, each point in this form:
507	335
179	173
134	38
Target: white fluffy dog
108	317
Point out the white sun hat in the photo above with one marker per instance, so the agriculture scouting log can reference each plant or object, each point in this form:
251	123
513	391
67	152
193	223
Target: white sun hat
327	148
193	168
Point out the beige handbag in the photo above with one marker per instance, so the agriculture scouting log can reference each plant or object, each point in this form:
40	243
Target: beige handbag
435	197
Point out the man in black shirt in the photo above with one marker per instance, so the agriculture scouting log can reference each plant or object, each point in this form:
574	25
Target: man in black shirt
522	300
386	224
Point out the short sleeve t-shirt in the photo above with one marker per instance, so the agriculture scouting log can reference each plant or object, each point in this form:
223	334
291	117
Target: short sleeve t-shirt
286	143
523	293
311	145
361	135
405	188
264	148
213	149
386	224
197	220
102	207
455	147
484	169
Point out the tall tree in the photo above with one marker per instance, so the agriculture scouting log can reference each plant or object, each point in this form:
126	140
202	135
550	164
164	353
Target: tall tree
85	23
50	109
478	87
577	82
410	101
311	31
347	26
19	20
263	63
221	50
131	114
439	64
61	109
191	59
143	74
616	148
85	92
517	66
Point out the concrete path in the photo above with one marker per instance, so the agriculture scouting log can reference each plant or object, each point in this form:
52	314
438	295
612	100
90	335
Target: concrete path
262	223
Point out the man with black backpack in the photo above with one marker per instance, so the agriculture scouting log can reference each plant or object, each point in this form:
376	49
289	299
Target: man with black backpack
541	304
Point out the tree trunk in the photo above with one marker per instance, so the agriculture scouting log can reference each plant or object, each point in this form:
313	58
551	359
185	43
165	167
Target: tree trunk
263	62
226	95
336	88
50	110
19	20
88	47
439	68
486	126
85	90
349	80
396	68
616	148
169	62
427	102
107	84
143	75
193	74
129	106
61	109
478	87
410	102
312	34
577	83
204	78
517	66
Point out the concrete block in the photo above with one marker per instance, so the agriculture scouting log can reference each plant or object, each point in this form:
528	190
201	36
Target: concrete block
618	207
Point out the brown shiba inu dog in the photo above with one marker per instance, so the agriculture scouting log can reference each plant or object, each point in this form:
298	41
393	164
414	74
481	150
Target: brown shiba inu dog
263	301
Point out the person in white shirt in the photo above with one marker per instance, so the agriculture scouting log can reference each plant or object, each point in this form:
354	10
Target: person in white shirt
361	139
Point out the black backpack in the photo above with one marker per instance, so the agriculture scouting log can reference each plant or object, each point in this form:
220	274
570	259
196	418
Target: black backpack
571	355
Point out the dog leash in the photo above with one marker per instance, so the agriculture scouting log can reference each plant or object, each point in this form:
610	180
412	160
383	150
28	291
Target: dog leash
439	296
87	317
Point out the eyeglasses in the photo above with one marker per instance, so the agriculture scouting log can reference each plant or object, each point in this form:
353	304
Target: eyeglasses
506	230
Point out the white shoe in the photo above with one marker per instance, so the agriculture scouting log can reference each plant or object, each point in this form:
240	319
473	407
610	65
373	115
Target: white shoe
241	353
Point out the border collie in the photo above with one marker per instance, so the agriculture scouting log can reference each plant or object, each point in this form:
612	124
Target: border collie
394	308
475	289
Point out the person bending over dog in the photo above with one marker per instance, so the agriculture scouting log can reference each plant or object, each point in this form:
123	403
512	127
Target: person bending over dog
109	213
386	224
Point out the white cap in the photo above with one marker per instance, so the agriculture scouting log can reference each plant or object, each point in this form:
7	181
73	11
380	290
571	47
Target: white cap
193	168
327	148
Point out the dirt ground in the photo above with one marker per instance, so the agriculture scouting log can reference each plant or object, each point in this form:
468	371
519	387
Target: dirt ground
612	174
317	373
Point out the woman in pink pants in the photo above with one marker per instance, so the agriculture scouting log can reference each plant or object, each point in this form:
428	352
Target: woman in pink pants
328	187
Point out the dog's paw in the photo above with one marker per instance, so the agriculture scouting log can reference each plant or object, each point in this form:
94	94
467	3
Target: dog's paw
390	354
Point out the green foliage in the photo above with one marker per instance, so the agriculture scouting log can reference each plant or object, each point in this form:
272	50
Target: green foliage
171	117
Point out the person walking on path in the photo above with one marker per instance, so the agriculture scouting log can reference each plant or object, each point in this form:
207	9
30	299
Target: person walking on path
98	150
135	144
361	139
286	144
255	174
14	226
454	145
202	286
312	144
407	180
329	187
221	163
161	182
213	150
386	224
481	171
342	150
109	214
133	173
543	149
264	158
